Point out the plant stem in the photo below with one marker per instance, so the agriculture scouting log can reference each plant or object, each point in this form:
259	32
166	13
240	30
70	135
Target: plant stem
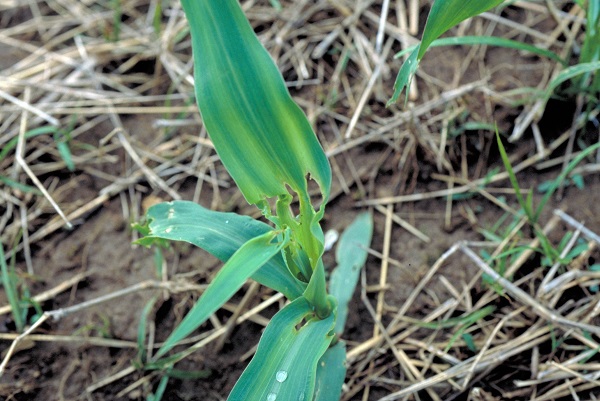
316	292
312	245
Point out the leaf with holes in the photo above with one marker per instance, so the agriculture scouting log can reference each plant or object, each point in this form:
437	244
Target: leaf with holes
220	234
238	268
263	138
285	364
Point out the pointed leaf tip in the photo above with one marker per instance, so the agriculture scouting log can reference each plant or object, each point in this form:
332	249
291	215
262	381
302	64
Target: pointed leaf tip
262	137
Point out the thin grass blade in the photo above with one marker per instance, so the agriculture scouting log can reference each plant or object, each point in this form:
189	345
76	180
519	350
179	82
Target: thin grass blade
590	50
160	390
65	153
513	178
570	73
562	176
405	76
8	281
142	328
490	41
12	144
21	187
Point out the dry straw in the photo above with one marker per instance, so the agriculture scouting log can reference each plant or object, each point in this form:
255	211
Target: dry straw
70	70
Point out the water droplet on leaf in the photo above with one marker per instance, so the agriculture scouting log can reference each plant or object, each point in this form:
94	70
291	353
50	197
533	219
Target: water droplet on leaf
168	229
281	376
271	397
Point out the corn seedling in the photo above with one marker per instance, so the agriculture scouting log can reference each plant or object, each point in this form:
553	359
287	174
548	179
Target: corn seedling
269	148
445	14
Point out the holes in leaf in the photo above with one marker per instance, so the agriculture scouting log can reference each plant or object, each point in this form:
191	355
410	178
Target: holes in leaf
301	324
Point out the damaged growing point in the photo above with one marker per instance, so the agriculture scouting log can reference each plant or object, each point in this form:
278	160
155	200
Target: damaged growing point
273	155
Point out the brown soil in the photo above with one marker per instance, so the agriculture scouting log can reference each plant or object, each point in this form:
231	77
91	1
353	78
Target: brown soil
70	358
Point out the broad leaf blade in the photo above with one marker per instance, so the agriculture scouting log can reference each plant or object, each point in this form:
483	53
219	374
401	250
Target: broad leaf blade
331	372
261	135
220	234
242	264
351	255
285	364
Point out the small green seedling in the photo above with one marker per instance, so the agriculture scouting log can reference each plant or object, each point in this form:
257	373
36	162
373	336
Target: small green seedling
268	146
9	282
526	203
445	14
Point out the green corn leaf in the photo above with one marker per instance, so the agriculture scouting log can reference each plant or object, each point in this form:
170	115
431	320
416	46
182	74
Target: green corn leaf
260	134
240	267
331	372
444	15
220	234
351	255
285	364
316	292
